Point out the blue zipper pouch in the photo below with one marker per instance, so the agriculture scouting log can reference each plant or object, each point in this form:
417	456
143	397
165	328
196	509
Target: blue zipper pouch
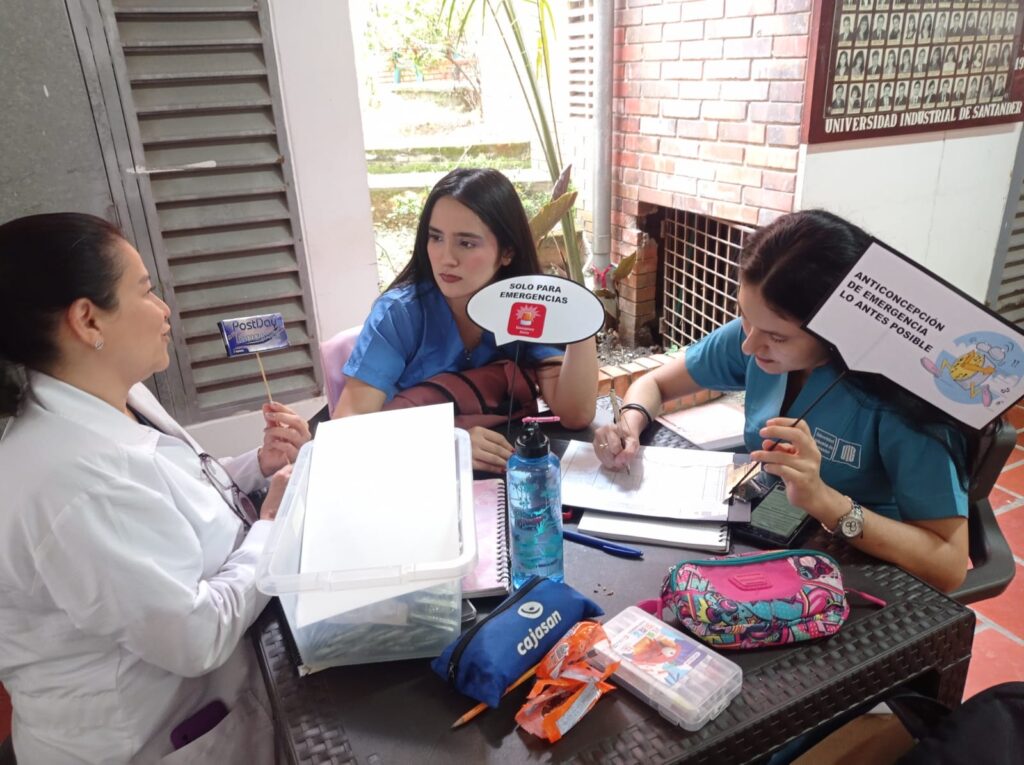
491	655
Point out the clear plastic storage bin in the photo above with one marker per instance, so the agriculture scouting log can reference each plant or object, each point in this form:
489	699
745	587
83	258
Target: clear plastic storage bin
687	682
414	624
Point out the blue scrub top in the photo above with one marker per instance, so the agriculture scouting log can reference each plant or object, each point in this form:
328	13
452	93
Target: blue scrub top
868	450
410	336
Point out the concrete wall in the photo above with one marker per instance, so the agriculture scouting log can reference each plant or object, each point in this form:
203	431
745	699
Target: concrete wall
937	197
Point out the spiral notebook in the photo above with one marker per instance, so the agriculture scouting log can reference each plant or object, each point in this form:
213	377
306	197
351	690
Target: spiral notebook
712	536
492	575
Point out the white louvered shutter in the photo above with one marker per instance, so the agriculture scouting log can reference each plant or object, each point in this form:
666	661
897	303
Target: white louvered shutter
1010	301
208	143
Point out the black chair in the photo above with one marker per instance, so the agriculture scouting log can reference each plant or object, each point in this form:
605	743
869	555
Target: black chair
992	561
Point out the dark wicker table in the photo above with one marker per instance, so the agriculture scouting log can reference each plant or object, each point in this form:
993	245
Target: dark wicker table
400	712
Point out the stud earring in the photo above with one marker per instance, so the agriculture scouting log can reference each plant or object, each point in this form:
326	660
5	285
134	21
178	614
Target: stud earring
99	344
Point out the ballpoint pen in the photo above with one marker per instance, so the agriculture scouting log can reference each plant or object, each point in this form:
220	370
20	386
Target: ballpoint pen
601	544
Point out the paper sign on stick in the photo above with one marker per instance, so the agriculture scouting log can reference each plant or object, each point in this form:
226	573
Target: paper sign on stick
253	334
537	309
893	317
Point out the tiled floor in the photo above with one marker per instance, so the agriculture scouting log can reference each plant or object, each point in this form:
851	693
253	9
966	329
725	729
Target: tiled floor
999	637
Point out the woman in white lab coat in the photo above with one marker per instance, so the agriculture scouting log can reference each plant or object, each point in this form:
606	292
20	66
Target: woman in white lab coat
127	562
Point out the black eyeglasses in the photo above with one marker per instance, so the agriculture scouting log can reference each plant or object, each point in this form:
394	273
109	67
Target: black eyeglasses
239	501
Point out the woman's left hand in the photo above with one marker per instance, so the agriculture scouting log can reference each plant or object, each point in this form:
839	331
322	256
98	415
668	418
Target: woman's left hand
795	459
283	436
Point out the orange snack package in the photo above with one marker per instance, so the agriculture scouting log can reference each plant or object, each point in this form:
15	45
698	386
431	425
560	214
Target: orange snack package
567	685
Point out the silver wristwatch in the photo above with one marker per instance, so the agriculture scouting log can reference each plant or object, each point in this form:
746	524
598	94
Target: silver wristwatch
851	525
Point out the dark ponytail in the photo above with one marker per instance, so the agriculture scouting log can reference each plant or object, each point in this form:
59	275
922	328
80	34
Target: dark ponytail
46	263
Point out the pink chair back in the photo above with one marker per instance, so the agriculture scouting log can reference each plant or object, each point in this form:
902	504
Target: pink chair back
334	352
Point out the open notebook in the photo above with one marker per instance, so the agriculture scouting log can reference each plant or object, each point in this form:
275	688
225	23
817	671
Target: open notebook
492	575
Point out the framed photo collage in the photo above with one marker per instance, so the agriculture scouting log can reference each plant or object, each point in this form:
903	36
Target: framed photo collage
897	66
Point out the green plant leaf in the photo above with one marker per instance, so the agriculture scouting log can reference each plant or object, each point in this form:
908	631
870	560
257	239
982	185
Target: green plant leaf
550	214
625	267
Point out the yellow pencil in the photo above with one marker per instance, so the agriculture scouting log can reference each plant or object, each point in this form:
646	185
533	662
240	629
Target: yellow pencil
481	707
616	415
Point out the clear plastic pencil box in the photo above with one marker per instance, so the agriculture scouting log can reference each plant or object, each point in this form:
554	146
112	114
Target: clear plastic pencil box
684	680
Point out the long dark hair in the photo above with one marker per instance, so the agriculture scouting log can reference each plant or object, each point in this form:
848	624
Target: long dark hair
46	263
796	262
493	198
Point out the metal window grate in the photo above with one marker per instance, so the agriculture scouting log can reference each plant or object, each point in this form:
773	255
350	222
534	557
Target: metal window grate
700	275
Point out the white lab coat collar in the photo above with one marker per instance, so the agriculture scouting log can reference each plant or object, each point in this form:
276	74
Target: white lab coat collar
89	411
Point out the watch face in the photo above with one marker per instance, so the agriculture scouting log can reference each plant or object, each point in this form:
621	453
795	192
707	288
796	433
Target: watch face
851	527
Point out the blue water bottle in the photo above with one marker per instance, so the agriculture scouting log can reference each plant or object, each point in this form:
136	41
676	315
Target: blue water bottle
535	502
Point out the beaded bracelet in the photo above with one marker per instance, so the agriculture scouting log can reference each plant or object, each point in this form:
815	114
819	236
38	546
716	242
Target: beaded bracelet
642	409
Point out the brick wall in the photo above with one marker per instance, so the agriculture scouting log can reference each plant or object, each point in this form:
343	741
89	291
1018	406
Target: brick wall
707	105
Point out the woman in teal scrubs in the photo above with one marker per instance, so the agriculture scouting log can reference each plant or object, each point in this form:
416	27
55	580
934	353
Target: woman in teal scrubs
876	466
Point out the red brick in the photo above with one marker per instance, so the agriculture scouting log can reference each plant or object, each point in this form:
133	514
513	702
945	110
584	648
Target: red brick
790	46
765	156
626	124
649	362
744	176
783	135
625	159
789	24
686	30
624	89
744	132
757	47
745	91
703	9
779	181
688	109
643	70
786	91
749	7
779	69
679	184
739	213
656	197
660	89
629	52
657	126
792	6
702	90
629	207
682	70
618	36
643	34
661	14
639	3
637	295
641	143
662	51
646	107
722	152
657	163
765	216
773	200
604	383
725	192
628	18
690	129
735	27
727	69
707	50
694	168
694	204
724	110
677	147
775	112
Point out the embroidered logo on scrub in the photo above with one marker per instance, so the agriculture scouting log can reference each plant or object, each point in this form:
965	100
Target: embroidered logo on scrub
835	449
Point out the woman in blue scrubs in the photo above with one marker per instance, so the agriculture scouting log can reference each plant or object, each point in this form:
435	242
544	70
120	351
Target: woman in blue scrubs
473	231
876	466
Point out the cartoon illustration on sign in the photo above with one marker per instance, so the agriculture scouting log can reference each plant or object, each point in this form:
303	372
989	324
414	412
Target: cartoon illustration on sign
526	319
983	368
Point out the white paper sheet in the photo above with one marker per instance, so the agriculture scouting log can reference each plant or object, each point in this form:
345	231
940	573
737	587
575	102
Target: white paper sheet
382	492
680	484
712	536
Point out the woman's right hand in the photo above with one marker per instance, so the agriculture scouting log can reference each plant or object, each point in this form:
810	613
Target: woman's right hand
616	445
272	502
490	450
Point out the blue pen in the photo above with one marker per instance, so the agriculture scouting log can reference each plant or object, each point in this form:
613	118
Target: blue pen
609	547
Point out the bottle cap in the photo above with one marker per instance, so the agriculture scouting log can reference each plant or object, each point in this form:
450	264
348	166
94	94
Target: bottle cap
532	442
